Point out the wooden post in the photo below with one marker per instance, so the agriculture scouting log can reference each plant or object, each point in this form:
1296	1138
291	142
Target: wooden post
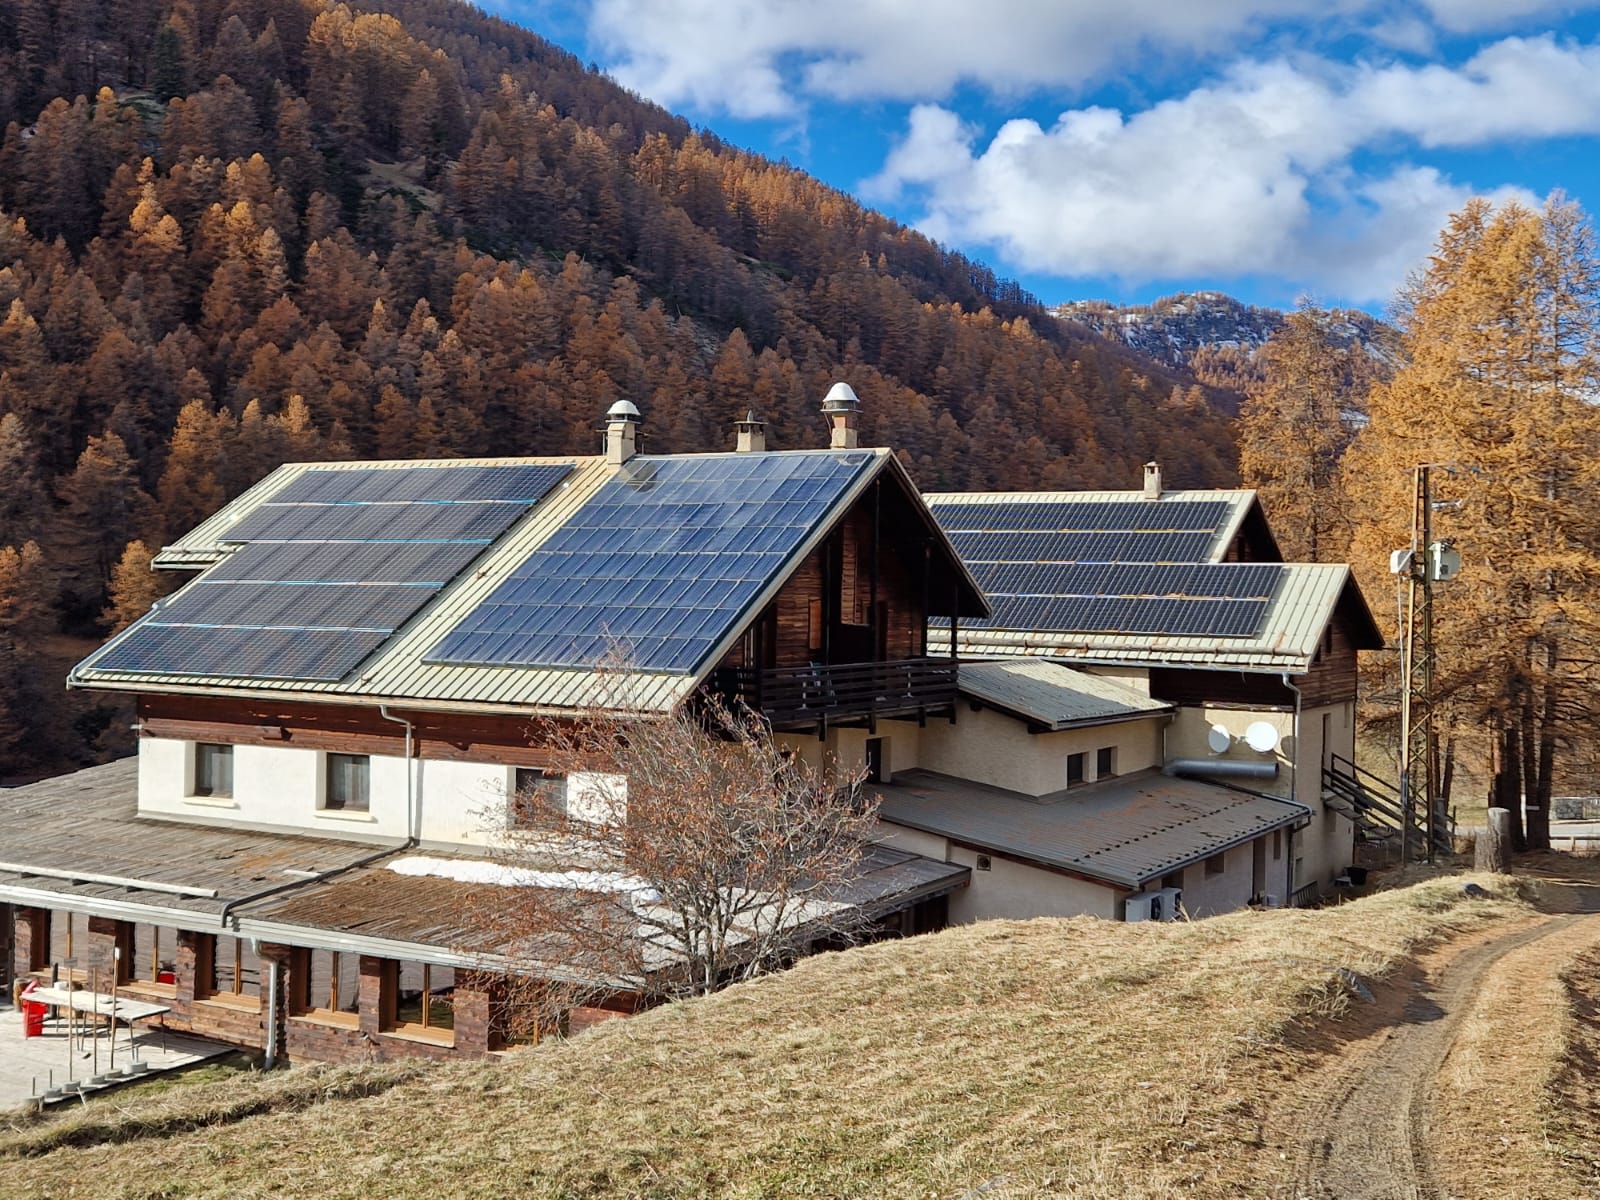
1494	843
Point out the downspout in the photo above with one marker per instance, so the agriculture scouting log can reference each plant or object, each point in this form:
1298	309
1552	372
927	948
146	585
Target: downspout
411	814
271	1059
366	860
1294	774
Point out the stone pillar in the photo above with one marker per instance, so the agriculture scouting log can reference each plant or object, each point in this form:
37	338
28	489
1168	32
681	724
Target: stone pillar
30	944
377	996
474	1001
193	967
99	951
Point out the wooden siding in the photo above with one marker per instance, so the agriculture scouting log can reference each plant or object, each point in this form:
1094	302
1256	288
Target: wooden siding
345	728
1332	679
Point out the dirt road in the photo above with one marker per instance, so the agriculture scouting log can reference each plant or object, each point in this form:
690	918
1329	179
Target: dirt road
1377	1126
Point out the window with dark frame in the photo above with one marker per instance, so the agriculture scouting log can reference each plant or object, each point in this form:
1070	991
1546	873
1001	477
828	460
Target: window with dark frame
213	770
1217	863
1075	767
1105	762
1277	844
348	782
535	790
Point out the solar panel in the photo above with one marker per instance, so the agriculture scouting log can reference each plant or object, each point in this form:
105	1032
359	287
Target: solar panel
333	564
1081	516
315	654
1119	546
434	563
658	564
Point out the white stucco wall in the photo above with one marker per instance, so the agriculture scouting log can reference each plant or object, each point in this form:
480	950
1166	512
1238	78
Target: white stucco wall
992	748
1017	891
1324	848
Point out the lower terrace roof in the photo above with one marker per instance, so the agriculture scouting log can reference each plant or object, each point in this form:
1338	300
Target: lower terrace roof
77	843
1125	833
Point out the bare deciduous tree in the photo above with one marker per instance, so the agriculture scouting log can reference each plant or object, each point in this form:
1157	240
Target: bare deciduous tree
670	856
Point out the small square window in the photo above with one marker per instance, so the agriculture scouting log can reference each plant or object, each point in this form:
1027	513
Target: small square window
213	770
537	792
1075	765
348	777
1105	762
1216	864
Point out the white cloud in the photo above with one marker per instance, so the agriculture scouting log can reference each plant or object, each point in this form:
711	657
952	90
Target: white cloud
1253	174
758	58
1470	16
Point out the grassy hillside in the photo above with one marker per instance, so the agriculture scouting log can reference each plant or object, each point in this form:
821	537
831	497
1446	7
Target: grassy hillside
1005	1059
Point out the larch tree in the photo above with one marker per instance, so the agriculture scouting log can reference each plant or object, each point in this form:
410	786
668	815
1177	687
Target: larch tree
1501	332
1294	427
134	588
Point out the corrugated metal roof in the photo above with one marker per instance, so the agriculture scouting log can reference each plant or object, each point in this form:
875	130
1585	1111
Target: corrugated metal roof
1126	833
1239	502
397	672
1287	641
1052	695
87	822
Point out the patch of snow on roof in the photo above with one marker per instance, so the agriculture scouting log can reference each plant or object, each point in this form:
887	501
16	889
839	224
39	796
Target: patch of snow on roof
477	871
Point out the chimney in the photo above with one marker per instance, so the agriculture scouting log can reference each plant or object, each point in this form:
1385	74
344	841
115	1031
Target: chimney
752	433
1152	481
622	432
843	411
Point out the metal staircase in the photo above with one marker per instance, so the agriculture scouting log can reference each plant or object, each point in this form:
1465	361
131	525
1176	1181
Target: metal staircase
1375	806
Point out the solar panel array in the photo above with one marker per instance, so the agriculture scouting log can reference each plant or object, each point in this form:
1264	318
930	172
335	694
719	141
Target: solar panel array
1116	567
659	563
334	563
1172	531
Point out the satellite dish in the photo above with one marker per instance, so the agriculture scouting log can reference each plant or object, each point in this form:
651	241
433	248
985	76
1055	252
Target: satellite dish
1261	737
1219	739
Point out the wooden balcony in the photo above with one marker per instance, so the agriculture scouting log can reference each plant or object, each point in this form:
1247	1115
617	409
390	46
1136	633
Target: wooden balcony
818	696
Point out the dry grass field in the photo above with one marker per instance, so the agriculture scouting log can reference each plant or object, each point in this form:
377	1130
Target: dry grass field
1003	1060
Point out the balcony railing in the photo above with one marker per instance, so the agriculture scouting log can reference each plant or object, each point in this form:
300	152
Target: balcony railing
826	695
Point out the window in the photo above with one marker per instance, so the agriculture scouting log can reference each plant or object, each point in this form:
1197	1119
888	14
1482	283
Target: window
1075	764
323	985
213	770
233	971
1217	863
347	783
425	1001
1277	844
1105	762
154	955
536	792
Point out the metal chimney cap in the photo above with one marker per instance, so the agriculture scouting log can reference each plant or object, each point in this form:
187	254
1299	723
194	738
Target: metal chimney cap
841	398
751	420
623	410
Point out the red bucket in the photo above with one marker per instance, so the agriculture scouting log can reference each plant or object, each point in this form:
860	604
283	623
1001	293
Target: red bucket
32	1014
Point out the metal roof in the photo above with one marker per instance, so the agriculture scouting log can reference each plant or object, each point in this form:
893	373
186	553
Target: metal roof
1240	502
397	673
77	842
1125	833
1048	694
1287	640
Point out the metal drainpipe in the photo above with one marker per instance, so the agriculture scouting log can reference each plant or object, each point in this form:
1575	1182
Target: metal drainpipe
1294	774
411	814
271	1059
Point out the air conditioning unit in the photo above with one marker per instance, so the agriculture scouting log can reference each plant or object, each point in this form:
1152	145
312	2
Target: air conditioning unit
1171	904
1138	906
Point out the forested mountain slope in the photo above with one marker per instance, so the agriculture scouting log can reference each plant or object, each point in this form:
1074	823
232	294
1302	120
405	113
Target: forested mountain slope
239	233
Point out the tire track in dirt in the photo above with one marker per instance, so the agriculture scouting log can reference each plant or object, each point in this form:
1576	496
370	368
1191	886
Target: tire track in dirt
1367	1137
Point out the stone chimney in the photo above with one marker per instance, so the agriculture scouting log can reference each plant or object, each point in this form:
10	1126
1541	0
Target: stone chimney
843	411
1152	481
622	432
752	433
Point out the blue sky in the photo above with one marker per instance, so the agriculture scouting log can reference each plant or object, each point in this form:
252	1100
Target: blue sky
1127	149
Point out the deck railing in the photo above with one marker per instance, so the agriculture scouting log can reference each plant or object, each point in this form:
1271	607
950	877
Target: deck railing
818	694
